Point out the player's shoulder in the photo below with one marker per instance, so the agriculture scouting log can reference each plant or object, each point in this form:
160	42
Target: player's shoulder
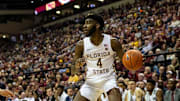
114	41
79	46
80	43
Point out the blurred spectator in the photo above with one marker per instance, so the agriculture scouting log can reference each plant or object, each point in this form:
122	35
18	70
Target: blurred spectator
133	94
162	73
60	95
140	77
174	64
141	85
147	72
169	74
173	93
160	57
73	79
152	93
70	94
50	95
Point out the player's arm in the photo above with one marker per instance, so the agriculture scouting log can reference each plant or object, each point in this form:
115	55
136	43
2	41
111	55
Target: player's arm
116	46
6	93
159	95
78	54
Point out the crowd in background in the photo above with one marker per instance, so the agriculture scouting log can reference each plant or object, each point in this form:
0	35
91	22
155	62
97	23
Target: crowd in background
38	67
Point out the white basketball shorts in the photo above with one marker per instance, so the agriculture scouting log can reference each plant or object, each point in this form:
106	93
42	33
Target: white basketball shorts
93	92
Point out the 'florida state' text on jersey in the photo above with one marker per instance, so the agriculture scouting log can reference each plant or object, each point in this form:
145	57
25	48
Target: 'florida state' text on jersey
99	59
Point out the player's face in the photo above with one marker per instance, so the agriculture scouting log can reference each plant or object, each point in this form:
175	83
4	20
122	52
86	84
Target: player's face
89	26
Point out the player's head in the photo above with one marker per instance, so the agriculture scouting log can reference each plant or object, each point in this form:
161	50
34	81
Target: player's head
150	85
92	23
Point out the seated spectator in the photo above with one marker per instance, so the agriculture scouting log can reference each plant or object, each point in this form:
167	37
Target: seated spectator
174	64
50	94
147	72
149	60
60	94
155	77
73	79
173	93
133	94
177	45
152	93
159	58
70	94
147	47
123	89
140	77
170	56
169	74
162	73
141	85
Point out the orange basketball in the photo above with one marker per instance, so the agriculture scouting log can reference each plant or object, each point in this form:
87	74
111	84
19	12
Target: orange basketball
132	60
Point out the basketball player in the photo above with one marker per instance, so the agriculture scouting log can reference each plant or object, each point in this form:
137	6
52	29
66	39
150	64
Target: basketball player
6	93
98	51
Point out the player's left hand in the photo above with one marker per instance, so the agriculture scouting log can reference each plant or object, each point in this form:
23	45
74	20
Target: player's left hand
7	93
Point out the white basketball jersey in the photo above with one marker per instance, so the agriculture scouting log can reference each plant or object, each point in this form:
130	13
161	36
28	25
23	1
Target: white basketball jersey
99	59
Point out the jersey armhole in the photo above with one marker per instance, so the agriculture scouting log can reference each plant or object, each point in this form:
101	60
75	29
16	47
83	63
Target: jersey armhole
84	46
111	38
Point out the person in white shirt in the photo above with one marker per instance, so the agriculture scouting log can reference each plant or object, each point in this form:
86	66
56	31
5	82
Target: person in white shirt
123	89
60	94
134	93
152	93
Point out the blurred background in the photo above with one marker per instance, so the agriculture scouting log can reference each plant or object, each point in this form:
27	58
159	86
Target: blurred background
38	37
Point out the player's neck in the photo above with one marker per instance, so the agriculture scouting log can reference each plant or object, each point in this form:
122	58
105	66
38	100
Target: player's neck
96	38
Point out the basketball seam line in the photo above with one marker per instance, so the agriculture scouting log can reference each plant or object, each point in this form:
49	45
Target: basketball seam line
137	61
130	61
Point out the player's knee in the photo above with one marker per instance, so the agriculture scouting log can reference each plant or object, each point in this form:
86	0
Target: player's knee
78	97
113	91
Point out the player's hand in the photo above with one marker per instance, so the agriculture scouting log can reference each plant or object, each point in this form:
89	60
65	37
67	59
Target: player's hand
7	93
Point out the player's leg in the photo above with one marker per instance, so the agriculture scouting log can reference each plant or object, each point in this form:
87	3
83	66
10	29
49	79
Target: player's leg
78	97
114	95
112	90
87	93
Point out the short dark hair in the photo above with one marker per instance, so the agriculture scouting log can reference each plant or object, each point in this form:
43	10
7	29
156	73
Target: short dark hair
132	80
123	83
98	18
172	80
60	86
151	81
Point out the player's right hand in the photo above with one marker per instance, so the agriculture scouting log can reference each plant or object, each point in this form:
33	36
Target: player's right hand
7	93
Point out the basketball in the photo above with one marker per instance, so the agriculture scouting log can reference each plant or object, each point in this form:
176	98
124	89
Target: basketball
132	60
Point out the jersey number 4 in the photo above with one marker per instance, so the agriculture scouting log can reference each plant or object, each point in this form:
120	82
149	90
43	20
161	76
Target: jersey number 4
99	63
